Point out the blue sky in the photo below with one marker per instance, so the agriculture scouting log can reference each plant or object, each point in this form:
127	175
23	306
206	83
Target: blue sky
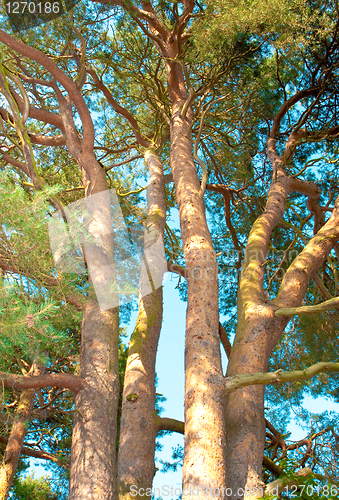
170	371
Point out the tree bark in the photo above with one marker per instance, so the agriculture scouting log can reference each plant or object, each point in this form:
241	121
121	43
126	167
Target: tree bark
259	330
93	462
277	377
16	437
245	422
93	459
204	457
139	424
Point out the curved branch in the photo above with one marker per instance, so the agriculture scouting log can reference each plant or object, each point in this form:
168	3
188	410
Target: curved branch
13	161
68	84
29	452
304	266
196	144
40	114
64	380
76	300
244	379
303	310
147	15
170	424
278	486
158	31
119	109
219	188
313	193
123	162
186	15
287	105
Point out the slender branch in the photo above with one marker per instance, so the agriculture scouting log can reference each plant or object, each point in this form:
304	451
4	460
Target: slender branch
119	163
302	310
196	144
145	15
13	161
220	188
185	16
18	433
46	140
40	114
304	266
321	287
158	41
29	452
76	300
122	195
244	379
66	380
170	424
272	466
70	86
277	436
119	109
287	105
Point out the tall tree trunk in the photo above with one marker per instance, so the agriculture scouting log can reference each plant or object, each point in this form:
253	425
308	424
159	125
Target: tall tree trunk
258	330
245	423
93	464
204	457
17	437
139	428
257	333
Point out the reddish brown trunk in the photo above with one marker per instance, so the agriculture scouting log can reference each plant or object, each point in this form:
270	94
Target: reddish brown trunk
93	465
253	344
16	438
245	424
259	330
138	420
204	460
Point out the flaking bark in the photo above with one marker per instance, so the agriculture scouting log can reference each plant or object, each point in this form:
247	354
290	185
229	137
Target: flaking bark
16	437
204	460
258	329
139	425
93	461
